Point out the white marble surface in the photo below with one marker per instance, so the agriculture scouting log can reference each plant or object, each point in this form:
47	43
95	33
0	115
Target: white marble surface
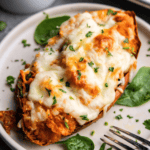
14	19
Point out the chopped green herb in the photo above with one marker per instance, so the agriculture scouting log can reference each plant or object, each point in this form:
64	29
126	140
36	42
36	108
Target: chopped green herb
125	47
90	63
67	84
102	146
102	31
114	112
16	60
106	123
71	48
93	132
71	97
118	132
147	124
24	42
10	80
129	116
52	50
139	131
126	40
96	69
7	108
24	63
149	49
46	15
109	148
3	25
88	26
50	53
137	120
36	49
111	12
136	140
49	91
89	34
80	39
109	54
42	96
84	117
12	89
81	59
106	84
54	100
149	110
79	74
121	109
101	25
111	69
62	79
66	124
147	55
62	90
149	42
118	117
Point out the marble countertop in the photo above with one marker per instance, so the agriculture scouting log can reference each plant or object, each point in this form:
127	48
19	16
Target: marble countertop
13	20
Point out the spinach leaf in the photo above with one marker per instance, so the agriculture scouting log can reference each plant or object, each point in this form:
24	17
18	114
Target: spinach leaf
102	146
138	91
48	28
78	143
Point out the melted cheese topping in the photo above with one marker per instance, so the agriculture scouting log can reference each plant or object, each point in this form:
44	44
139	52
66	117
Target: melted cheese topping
92	62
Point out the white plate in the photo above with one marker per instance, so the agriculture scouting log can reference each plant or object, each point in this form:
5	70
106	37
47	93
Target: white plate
11	49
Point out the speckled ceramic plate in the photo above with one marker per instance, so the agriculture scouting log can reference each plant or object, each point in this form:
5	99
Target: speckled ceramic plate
11	49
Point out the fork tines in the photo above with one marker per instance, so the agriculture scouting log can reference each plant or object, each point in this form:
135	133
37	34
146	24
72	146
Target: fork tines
139	146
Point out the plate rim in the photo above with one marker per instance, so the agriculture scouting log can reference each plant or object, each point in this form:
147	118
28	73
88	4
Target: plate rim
7	138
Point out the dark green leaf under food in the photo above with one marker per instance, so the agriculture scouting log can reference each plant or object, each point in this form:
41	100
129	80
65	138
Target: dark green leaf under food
48	28
3	25
138	91
78	143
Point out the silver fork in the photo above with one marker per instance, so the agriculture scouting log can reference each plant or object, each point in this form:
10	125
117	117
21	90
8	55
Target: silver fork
139	146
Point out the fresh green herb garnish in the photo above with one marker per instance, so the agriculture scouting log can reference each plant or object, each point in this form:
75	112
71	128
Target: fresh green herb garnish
62	79
118	132
89	34
3	25
24	63
10	80
71	48
81	59
79	74
46	15
12	89
71	97
93	132
109	148
111	69
137	120
126	40
129	116
147	55
106	84
101	25
90	63
67	84
48	28
62	90
147	124
114	112
139	131
125	47
111	12
49	91
96	69
7	108
16	60
78	143
84	117
121	109
88	26
106	123
102	31
149	110
118	117
36	49
149	49
24	42
137	92
102	146
109	54
66	124
54	100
